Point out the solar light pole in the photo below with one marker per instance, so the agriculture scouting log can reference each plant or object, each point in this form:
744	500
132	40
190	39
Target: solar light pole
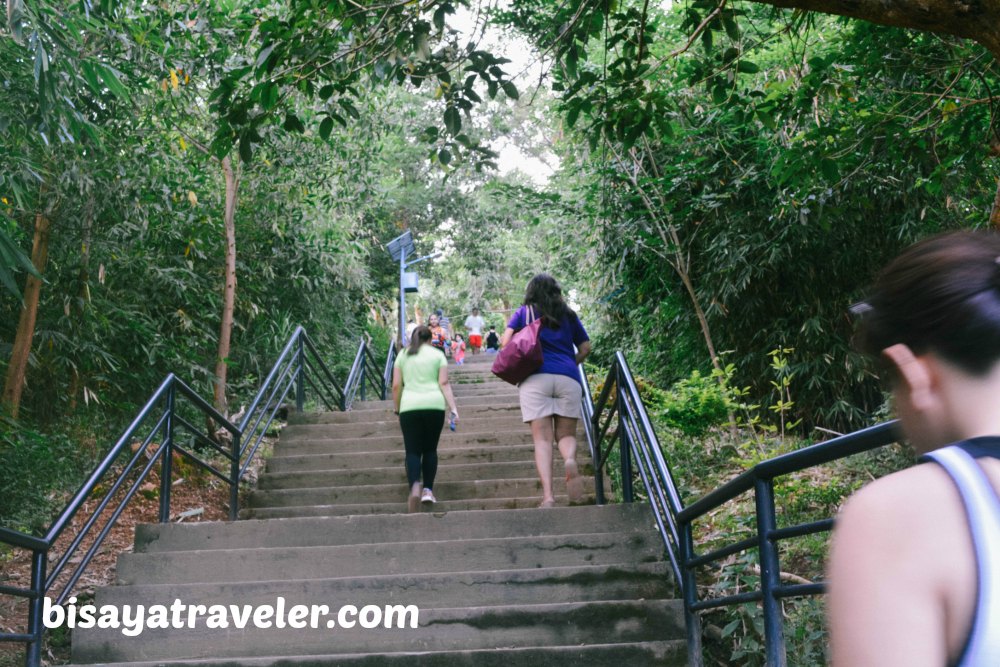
399	248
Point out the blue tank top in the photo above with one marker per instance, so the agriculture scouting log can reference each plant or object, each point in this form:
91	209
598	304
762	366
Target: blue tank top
982	508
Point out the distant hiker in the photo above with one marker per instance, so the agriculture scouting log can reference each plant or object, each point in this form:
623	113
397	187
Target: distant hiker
420	391
914	572
439	335
474	324
445	322
410	326
446	325
492	340
551	397
458	350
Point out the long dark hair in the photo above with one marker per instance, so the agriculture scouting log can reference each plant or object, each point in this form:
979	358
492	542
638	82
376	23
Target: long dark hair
545	295
940	295
420	335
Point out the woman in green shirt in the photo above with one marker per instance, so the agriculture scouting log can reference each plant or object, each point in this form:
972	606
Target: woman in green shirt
420	391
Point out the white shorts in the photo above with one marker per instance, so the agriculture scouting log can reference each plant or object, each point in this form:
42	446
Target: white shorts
548	394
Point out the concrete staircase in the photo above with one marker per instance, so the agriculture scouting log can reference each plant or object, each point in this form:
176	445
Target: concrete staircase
496	580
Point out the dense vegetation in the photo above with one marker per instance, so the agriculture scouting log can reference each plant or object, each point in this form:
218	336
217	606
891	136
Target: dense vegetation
192	181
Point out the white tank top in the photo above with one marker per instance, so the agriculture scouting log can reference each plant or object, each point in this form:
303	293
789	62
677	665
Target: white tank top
982	508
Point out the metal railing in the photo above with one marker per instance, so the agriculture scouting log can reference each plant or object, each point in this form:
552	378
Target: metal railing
164	432
366	370
619	418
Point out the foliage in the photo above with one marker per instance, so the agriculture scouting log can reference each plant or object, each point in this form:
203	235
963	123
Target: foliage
55	463
696	404
778	162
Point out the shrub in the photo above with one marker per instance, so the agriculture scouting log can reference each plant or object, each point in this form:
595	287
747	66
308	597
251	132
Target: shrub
696	404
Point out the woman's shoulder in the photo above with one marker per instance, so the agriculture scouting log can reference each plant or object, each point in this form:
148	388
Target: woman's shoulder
901	510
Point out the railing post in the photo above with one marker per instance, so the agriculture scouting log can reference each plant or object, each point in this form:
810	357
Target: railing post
364	367
234	478
769	573
33	651
624	444
167	451
300	372
598	465
692	621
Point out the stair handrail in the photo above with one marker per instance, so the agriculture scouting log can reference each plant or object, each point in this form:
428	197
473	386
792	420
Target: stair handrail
364	371
299	365
638	444
390	362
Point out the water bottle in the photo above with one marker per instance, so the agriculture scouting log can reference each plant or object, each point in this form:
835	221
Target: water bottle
451	423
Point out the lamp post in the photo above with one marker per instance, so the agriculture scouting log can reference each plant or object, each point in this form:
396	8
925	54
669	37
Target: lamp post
399	248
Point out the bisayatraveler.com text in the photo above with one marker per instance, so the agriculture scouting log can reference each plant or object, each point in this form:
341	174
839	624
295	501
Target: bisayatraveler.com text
132	620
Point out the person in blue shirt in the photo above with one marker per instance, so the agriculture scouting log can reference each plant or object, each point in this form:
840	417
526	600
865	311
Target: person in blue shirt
914	571
551	397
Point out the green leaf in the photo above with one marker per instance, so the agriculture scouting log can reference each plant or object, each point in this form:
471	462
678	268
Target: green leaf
326	91
453	120
571	62
246	150
830	169
111	80
767	119
91	77
636	130
572	115
293	123
325	128
510	90
439	15
720	94
747	67
269	96
444	156
263	55
732	29
351	110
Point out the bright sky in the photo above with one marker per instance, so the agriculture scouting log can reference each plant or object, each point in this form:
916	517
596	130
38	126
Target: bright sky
525	64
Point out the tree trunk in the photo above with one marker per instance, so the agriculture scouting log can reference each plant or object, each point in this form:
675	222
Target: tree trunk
14	383
978	21
82	297
229	292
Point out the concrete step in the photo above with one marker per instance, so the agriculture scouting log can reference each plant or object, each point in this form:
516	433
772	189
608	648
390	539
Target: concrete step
355	560
494	579
441	507
468	405
505	421
310	532
465	472
460	439
451	589
460	628
394	443
638	654
397	491
326	457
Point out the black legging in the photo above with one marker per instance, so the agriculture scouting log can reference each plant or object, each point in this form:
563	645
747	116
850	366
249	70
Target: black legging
421	432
